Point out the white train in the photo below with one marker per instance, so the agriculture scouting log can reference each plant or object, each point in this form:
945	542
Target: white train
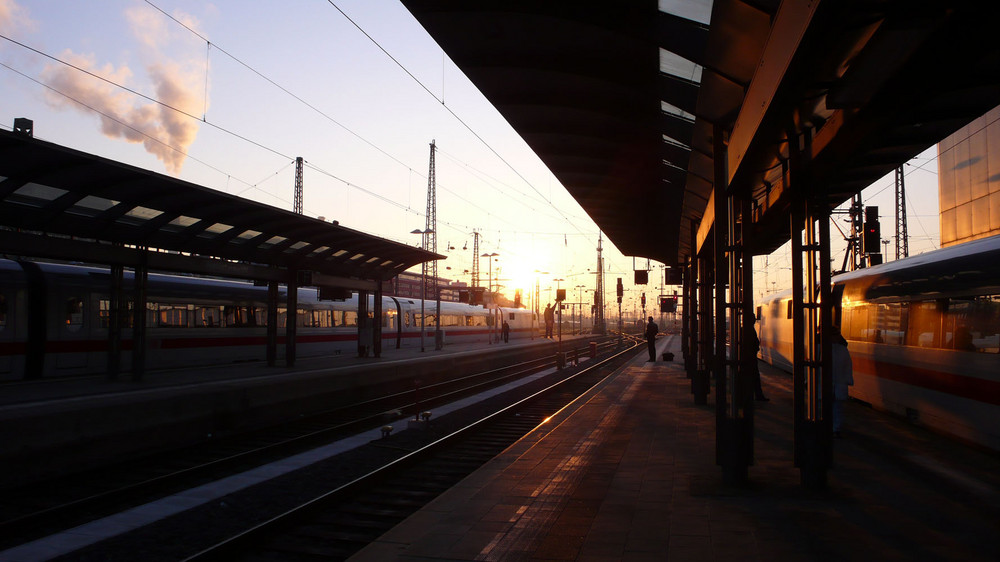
55	316
924	337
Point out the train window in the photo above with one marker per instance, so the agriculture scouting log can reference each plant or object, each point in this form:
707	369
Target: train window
475	320
208	317
923	327
74	314
452	320
854	322
3	311
972	324
322	318
243	316
173	316
104	314
152	312
350	318
890	327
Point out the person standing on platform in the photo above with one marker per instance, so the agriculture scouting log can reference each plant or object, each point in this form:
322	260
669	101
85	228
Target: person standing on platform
651	330
758	389
843	376
505	331
550	319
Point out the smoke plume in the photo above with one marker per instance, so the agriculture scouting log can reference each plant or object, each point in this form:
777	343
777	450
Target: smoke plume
163	132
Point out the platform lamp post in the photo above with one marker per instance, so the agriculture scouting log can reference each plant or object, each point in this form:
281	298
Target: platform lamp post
490	257
423	286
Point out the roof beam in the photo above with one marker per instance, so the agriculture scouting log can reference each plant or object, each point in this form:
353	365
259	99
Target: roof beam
790	24
789	27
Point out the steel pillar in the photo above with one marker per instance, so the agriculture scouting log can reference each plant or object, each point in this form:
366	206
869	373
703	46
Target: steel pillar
115	317
272	323
377	320
811	330
701	383
141	281
733	433
686	318
291	316
364	324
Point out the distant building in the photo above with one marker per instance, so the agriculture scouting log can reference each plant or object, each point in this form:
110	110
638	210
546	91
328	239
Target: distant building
969	181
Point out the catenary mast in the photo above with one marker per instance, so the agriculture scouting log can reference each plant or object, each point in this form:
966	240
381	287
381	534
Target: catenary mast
430	272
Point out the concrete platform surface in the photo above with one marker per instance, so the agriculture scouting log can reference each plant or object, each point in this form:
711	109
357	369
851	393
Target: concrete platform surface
629	473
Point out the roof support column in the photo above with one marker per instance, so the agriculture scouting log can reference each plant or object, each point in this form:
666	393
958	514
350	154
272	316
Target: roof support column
686	316
272	323
700	384
364	324
291	317
731	430
811	327
377	321
115	301
139	317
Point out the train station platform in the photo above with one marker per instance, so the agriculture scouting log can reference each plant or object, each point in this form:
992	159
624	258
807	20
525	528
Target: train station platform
629	473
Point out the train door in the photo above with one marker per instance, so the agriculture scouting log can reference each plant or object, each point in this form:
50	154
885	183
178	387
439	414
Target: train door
72	341
395	313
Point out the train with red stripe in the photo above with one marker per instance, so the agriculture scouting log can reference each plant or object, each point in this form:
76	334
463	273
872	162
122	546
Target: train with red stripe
56	315
923	334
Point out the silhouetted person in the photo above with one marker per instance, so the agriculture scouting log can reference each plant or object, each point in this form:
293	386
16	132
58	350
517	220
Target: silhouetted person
651	330
754	343
550	319
963	339
843	376
505	332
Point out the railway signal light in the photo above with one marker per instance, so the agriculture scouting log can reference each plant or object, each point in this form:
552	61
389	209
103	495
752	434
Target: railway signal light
641	277
668	304
644	301
872	236
621	290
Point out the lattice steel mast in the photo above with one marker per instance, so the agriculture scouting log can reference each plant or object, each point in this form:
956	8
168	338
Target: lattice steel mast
430	272
599	291
297	205
475	259
902	239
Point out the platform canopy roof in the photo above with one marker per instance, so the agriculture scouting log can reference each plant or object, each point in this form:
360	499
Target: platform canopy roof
622	99
54	197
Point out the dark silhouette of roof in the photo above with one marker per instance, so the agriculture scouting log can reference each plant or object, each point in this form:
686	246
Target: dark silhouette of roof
622	100
56	193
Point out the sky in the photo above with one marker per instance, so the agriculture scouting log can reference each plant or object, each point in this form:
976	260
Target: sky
227	94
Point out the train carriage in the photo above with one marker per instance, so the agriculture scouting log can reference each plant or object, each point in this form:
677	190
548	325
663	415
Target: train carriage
54	321
924	337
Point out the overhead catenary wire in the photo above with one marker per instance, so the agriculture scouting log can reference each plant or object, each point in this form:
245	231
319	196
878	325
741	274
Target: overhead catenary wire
366	141
270	149
455	115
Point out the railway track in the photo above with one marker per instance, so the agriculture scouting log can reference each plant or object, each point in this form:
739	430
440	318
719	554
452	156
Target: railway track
39	511
340	522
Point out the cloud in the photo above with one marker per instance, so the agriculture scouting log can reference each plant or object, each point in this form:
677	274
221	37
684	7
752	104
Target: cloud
175	78
163	132
14	16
